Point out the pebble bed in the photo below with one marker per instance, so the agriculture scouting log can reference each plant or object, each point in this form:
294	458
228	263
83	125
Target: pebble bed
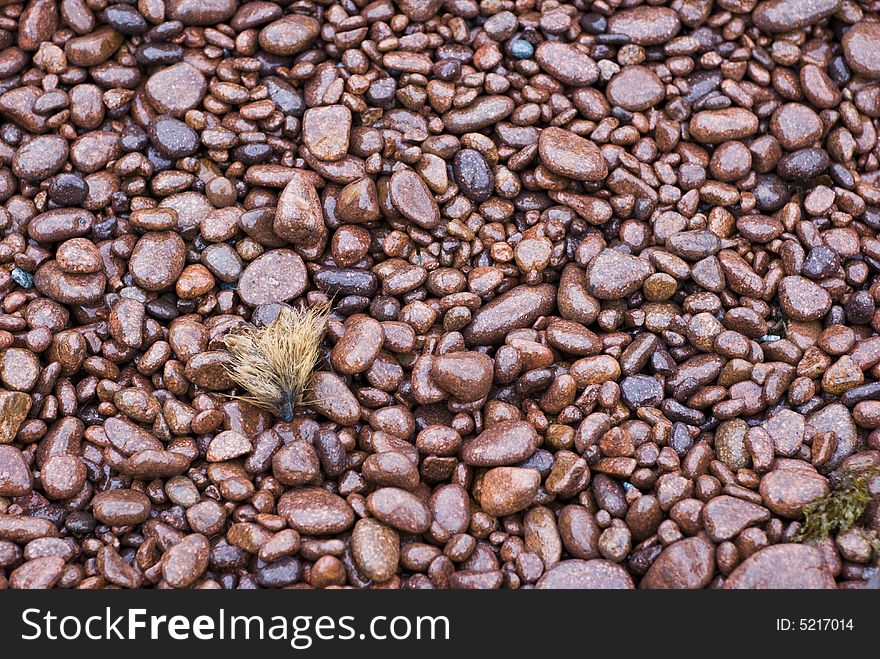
604	280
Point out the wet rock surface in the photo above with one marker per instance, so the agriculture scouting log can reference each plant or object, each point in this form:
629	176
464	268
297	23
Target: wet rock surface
601	286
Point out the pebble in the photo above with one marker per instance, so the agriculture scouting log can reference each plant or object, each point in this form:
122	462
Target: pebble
14	408
508	490
473	175
289	35
40	158
775	16
517	308
686	564
483	112
326	131
375	549
121	507
466	376
276	276
176	89
399	509
724	517
860	47
505	443
298	216
314	511
577	574
172	138
717	126
613	274
786	491
571	156
803	300
566	63
19	369
412	198
790	566
635	88
646	26
185	562
157	260
15	477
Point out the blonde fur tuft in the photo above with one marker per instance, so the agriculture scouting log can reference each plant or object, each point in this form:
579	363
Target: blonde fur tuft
274	364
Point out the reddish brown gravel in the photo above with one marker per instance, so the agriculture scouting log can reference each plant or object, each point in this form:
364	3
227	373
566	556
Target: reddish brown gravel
604	285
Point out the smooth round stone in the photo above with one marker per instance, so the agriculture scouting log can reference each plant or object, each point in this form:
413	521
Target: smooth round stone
466	376
14	408
505	443
93	48
63	476
484	112
157	260
40	158
16	479
356	203
614	275
786	491
315	511
93	150
289	35
517	308
375	549
784	566
332	398
796	126
125	19
635	88
194	281
837	419
209	370
400	510
473	175
686	564
176	89
596	574
121	507
223	261
776	16
803	164
724	517
569	65
716	126
79	256
69	289
802	299
572	156
759	228
358	348
731	161
412	198
641	391
325	131
172	138
68	190
185	562
645	26
730	444
861	47
298	216
60	224
200	12
693	245
276	276
508	490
